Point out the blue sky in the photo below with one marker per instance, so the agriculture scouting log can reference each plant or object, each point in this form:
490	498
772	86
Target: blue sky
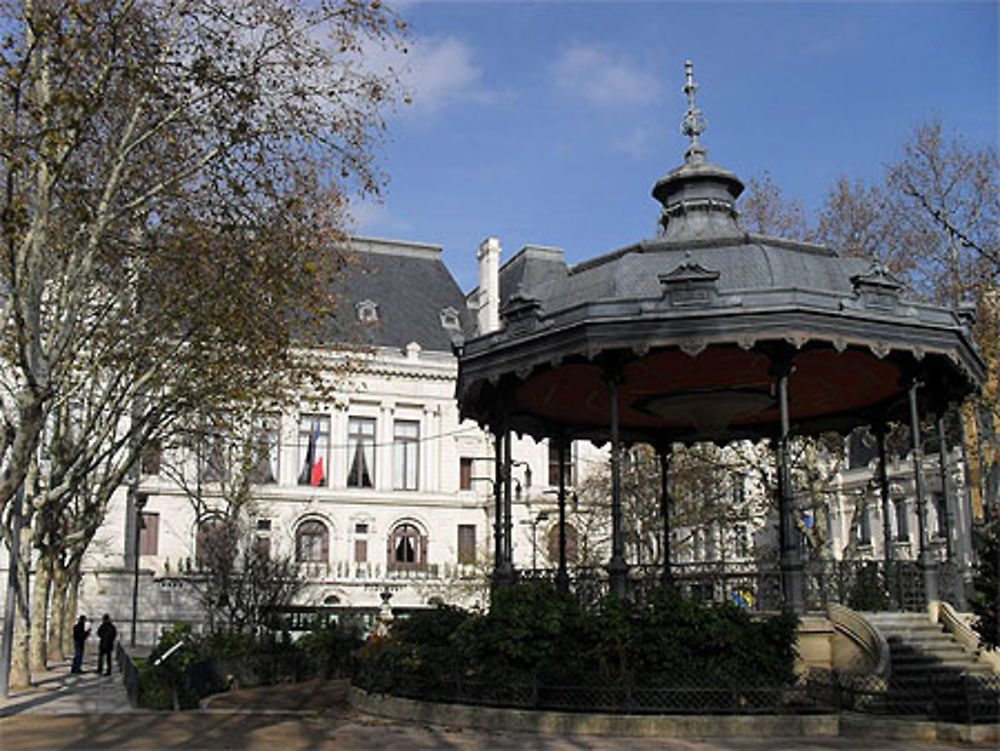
549	123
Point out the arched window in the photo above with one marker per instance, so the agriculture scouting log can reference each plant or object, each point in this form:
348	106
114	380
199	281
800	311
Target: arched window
215	543
407	547
312	542
572	545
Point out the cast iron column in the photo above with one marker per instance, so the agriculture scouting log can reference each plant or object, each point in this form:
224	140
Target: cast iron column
881	430
946	522
617	567
507	568
666	576
498	546
562	575
792	578
927	562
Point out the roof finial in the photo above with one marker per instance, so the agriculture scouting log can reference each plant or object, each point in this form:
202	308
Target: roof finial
694	122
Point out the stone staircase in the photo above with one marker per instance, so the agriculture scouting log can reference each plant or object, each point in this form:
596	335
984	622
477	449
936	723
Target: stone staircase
919	647
931	672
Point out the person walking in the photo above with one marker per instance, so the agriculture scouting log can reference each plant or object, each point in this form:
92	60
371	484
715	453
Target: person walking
106	634
80	634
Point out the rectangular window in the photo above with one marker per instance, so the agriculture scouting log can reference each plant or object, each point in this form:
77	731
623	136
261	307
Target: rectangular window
314	447
361	452
941	512
554	465
741	545
902	521
263	525
465	473
262	546
466	543
406	454
151	457
710	553
864	527
739	489
360	551
265	450
213	455
149	533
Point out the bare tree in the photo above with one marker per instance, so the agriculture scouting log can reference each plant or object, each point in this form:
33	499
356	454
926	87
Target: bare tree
765	210
174	174
238	576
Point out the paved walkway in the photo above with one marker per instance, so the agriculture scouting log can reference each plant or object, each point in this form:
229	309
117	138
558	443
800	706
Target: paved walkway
57	691
89	711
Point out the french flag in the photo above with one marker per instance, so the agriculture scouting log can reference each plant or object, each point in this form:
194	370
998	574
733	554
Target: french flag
312	469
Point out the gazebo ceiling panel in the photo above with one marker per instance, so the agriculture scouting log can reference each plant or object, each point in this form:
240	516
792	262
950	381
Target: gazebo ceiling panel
721	388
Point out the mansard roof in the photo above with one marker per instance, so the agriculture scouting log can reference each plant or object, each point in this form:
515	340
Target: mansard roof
410	287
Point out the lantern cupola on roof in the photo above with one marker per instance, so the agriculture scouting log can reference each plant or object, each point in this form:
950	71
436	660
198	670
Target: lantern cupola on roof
698	197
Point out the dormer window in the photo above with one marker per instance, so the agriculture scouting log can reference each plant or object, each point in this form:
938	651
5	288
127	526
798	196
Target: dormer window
449	319
367	311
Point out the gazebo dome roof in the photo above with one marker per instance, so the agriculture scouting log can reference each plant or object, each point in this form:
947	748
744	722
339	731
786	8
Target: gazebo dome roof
692	325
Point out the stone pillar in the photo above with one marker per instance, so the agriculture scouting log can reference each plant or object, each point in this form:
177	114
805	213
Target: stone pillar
792	575
927	562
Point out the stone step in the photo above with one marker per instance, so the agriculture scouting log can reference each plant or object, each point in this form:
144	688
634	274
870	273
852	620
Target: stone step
946	643
915	630
913	669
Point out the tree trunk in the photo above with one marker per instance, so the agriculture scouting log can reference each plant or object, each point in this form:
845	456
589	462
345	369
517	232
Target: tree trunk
72	603
39	605
20	670
58	621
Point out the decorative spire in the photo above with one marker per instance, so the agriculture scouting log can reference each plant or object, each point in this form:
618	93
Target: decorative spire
694	122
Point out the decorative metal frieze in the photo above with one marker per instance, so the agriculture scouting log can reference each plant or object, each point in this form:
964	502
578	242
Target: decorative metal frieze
693	347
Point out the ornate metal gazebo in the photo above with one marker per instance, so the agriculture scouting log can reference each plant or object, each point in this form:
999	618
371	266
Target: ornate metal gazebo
708	333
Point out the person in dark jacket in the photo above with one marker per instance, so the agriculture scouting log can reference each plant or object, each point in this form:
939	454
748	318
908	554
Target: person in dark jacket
106	634
80	634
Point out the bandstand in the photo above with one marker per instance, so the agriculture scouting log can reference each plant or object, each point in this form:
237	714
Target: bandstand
709	333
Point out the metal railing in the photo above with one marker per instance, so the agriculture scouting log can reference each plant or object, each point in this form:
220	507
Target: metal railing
961	698
130	674
861	585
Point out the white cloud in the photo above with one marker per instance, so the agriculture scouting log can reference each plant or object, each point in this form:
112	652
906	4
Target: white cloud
440	71
602	78
434	72
372	217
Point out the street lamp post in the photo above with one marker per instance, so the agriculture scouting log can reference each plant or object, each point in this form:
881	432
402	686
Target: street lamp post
140	503
542	516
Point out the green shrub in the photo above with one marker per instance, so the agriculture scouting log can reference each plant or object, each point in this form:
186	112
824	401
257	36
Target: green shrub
417	651
535	635
162	686
530	632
